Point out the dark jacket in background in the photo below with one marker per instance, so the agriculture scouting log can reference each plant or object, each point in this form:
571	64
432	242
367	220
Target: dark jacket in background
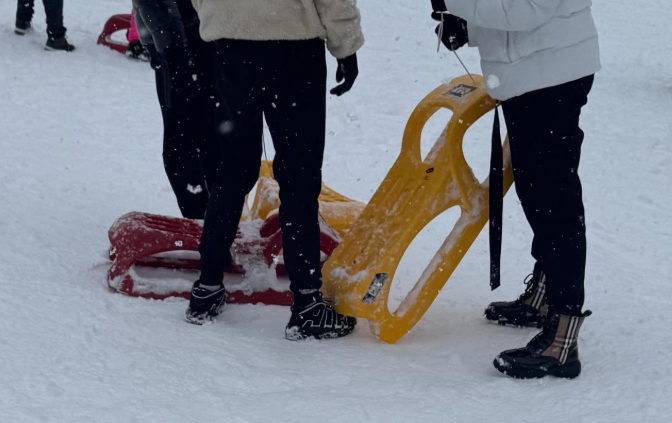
166	22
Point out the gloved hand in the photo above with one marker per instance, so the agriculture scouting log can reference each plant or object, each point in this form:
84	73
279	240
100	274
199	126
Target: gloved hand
347	72
454	34
438	7
181	69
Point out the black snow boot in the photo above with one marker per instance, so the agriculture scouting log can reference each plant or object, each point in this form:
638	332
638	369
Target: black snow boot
21	27
137	51
205	304
530	309
317	320
554	351
58	44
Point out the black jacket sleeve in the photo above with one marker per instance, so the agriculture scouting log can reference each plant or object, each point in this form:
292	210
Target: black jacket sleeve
163	20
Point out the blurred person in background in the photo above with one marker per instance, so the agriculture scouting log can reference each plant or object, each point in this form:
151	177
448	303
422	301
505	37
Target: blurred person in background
56	40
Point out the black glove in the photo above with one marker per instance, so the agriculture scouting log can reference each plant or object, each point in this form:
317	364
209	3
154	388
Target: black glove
439	6
348	71
455	33
181	69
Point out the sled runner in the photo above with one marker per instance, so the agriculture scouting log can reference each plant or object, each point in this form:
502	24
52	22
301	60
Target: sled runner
359	274
114	24
151	241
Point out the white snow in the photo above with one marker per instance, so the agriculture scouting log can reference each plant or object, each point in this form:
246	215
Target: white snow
492	82
80	145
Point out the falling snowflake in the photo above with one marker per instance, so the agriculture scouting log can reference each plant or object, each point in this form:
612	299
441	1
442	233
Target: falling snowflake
194	189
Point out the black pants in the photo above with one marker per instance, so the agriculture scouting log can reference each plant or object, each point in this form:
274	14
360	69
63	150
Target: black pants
53	10
190	152
285	82
546	149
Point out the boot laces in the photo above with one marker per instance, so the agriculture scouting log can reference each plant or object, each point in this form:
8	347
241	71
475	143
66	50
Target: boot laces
530	287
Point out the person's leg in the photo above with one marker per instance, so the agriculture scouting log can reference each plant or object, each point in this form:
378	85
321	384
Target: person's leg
210	151
186	121
545	141
24	15
181	159
240	84
25	10
156	62
54	12
295	110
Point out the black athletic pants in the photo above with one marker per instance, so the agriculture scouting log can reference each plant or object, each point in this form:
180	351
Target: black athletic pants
190	152
546	143
285	82
53	10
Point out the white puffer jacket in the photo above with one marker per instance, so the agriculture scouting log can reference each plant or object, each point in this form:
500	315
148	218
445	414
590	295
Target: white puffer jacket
337	21
527	45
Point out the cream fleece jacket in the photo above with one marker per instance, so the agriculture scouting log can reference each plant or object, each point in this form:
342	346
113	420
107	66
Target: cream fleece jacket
336	21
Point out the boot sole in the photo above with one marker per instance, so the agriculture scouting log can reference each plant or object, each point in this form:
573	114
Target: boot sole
564	371
294	334
504	321
20	32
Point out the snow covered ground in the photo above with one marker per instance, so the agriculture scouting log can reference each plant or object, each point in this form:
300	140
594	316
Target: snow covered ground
80	145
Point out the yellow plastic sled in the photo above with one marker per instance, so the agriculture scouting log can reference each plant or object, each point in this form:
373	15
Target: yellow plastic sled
359	274
339	211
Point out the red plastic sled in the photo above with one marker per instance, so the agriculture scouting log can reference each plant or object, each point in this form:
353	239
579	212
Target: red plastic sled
115	23
136	239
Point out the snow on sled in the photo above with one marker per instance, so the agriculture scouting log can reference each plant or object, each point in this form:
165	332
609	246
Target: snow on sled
141	242
113	25
359	274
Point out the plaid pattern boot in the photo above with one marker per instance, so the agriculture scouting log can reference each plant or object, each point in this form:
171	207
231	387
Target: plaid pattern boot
530	309
554	351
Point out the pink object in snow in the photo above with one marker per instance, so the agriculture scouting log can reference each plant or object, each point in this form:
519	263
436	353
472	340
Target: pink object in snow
133	31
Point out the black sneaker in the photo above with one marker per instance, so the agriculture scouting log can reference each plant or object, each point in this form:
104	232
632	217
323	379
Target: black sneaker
205	304
58	44
554	351
21	27
530	309
137	51
317	320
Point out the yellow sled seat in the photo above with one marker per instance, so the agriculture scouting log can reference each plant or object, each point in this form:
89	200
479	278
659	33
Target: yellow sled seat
359	274
339	211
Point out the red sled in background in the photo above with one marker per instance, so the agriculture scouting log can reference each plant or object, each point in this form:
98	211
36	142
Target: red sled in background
140	242
115	24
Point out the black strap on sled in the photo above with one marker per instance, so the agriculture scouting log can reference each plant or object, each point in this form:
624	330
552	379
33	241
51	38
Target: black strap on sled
496	200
